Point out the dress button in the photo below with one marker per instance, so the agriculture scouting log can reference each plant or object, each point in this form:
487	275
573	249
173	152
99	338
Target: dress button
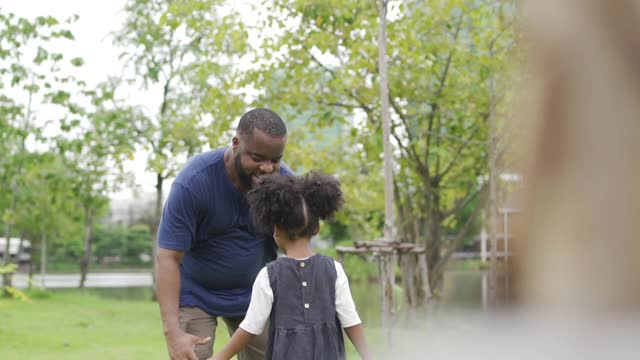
304	283
306	306
302	264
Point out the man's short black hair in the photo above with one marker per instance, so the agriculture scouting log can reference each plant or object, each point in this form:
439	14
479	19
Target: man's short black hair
264	120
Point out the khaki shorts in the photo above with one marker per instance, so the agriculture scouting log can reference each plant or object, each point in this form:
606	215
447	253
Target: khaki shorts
197	322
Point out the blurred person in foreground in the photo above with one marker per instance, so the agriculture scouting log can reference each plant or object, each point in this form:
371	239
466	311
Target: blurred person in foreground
209	251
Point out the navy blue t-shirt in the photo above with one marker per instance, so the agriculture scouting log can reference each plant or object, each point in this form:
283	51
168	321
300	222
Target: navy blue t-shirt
209	219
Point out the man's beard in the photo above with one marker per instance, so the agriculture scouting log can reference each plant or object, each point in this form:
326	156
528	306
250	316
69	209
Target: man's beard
244	178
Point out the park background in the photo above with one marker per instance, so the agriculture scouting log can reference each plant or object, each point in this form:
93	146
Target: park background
101	104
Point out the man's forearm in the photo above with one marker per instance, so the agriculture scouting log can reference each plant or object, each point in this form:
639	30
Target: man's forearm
168	292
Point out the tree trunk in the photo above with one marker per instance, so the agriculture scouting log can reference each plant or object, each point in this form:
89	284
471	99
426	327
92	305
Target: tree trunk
6	278
389	262
43	261
20	247
434	256
424	288
31	271
408	266
154	231
86	259
493	240
386	266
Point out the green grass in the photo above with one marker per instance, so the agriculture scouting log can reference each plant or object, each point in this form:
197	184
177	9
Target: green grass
77	325
81	325
468	264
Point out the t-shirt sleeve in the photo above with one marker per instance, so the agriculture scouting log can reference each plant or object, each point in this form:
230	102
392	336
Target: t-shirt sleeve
285	170
260	305
345	307
179	218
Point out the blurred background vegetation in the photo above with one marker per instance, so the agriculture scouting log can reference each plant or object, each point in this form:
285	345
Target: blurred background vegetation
68	144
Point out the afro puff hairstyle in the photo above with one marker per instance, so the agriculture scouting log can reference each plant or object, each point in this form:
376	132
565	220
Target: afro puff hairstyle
295	203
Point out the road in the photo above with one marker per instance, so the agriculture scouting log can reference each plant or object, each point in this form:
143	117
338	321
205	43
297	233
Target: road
97	280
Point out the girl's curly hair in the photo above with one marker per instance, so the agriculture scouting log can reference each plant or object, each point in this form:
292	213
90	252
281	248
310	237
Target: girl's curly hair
295	203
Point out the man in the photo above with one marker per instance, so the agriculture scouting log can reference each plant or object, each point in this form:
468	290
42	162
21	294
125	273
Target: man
209	252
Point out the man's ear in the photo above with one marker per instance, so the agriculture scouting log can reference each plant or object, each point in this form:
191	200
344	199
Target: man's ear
235	143
276	231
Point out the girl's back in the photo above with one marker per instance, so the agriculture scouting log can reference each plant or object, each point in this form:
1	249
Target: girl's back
303	321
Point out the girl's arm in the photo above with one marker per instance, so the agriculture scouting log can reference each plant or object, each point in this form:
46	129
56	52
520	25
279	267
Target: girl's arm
356	335
255	319
238	341
347	314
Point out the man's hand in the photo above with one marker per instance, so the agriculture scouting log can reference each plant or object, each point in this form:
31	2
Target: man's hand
181	345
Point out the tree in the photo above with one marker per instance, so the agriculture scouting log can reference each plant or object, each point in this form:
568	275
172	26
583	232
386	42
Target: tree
46	206
109	241
438	93
188	48
126	244
24	82
98	140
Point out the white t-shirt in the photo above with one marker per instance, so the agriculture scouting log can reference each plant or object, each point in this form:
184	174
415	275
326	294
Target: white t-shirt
262	301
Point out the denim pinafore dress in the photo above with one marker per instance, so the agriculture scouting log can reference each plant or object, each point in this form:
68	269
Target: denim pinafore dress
303	322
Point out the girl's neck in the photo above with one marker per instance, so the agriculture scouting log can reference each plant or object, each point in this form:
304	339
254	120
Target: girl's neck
299	249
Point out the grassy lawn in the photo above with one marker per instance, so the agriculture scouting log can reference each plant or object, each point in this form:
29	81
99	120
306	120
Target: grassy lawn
79	325
82	326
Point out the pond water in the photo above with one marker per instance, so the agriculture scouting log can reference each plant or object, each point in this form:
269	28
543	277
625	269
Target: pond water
463	290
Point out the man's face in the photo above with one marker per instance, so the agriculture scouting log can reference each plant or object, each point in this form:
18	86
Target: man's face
257	156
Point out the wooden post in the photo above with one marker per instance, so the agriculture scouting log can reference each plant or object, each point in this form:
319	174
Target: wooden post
423	268
386	294
505	230
391	274
408	264
483	245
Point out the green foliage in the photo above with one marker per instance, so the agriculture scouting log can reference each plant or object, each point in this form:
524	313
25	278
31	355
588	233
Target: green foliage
9	290
189	48
8	268
16	294
25	83
124	243
138	238
37	293
441	56
317	68
357	268
109	241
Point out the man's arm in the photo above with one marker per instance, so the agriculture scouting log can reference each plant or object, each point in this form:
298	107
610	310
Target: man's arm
238	341
356	335
179	343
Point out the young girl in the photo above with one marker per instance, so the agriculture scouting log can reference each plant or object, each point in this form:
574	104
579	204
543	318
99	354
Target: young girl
305	296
